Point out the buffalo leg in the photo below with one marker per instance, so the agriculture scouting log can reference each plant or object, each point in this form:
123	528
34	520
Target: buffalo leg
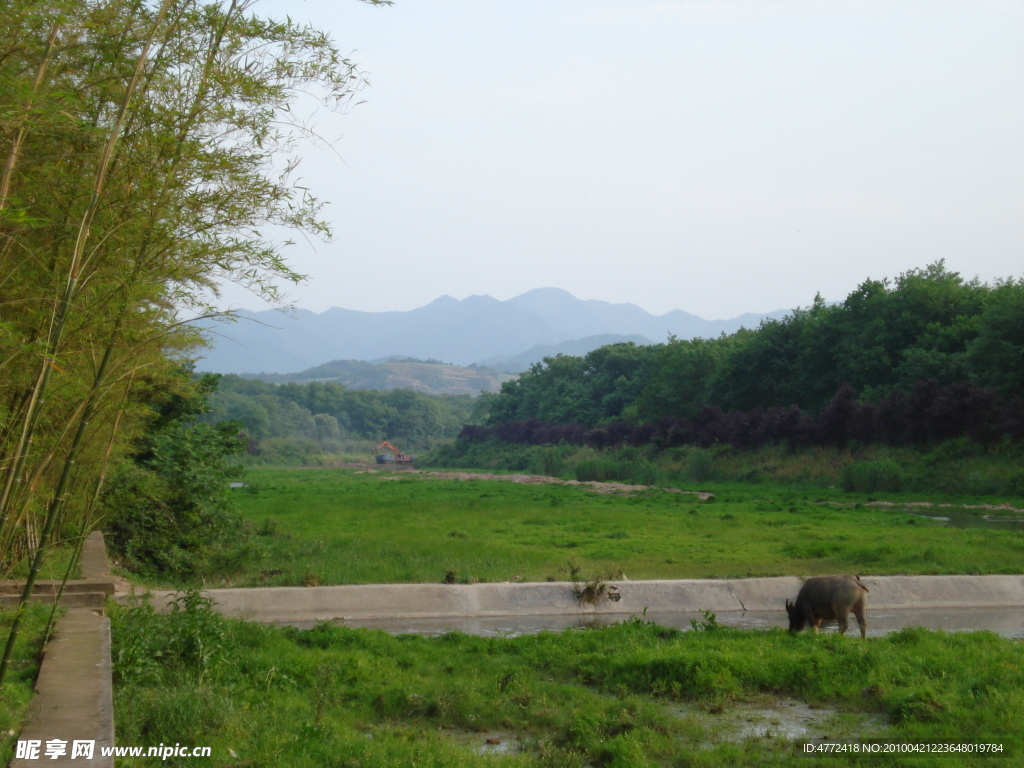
858	611
843	619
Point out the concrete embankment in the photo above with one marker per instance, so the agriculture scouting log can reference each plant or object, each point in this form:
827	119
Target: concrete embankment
396	601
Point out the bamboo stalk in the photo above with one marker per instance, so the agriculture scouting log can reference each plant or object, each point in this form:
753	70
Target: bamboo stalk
60	318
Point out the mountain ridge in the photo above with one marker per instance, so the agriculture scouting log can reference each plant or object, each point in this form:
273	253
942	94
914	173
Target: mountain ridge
466	331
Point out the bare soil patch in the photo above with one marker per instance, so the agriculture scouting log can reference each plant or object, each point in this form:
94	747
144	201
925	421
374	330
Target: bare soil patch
596	487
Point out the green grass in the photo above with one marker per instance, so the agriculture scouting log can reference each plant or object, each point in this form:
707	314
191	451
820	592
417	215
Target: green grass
55	566
628	696
632	695
331	526
17	689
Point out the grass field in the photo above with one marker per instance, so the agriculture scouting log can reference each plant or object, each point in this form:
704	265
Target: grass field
336	526
628	696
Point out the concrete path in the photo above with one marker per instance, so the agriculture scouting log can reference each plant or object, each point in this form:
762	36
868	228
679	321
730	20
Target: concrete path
410	601
73	698
74	692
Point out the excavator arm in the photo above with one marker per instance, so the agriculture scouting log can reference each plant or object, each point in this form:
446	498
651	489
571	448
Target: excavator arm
400	458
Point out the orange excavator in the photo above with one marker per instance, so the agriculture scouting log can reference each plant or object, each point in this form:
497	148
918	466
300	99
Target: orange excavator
397	458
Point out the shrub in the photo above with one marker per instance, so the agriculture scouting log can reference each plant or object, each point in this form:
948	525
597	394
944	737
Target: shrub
1015	484
191	637
643	472
169	508
548	461
599	470
701	465
872	476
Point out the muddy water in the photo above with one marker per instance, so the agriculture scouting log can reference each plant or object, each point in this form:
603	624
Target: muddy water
783	718
1008	622
763	717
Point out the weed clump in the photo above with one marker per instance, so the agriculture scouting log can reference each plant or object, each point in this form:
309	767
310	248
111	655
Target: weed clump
592	591
700	467
191	638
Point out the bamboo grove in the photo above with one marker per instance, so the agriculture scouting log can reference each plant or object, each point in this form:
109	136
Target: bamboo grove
147	147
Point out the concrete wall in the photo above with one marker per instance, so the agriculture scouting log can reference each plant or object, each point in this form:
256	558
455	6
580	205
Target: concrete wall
392	601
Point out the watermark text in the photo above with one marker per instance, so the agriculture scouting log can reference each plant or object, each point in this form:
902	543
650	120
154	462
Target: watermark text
40	749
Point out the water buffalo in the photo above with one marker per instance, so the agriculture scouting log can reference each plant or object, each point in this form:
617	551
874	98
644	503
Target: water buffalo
823	598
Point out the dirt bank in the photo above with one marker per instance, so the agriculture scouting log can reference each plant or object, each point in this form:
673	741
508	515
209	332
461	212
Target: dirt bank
595	486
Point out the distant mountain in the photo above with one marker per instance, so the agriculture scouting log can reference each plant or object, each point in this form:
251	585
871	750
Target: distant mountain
476	329
576	347
429	376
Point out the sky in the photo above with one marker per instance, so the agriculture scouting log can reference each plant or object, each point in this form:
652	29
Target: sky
714	156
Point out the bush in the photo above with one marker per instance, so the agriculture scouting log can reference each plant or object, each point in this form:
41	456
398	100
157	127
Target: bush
872	476
169	508
599	470
1015	484
548	461
952	453
643	472
148	646
700	466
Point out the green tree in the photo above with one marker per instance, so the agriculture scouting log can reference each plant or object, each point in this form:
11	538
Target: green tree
996	354
168	508
145	148
681	375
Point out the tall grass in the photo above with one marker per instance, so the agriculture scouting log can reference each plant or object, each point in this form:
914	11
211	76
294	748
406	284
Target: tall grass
606	697
956	467
871	476
16	692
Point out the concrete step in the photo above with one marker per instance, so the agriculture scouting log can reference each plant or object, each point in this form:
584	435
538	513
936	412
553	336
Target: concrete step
94	600
52	586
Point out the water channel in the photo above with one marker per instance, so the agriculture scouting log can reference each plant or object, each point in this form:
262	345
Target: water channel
1008	622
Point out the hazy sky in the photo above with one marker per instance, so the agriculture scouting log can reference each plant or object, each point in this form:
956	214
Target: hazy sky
714	156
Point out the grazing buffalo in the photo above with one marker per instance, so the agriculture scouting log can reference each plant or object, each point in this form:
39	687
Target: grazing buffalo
824	598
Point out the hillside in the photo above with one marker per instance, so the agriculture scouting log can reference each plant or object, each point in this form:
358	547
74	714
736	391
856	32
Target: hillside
472	330
418	375
577	347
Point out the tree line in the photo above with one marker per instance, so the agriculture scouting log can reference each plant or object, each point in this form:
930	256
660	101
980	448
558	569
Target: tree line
327	413
926	357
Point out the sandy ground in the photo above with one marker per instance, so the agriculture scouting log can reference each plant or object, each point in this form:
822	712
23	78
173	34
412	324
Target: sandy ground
993	507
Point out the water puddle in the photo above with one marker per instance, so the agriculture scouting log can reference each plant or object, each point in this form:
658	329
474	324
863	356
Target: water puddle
1005	522
776	718
489	742
763	718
